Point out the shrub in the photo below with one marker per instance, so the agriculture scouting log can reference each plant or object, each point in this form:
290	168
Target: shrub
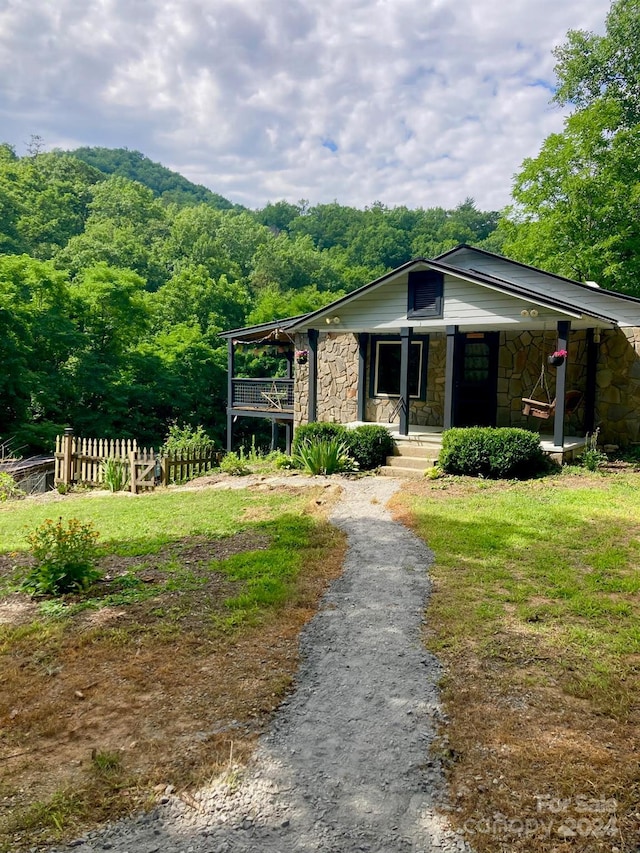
503	452
234	464
369	445
186	439
9	489
329	456
65	557
317	431
115	474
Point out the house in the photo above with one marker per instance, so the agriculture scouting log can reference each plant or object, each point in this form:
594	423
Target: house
459	340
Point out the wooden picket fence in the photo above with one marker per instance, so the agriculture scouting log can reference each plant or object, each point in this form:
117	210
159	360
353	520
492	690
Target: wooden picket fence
79	461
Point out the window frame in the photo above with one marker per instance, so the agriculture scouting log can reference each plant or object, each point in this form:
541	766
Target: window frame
375	341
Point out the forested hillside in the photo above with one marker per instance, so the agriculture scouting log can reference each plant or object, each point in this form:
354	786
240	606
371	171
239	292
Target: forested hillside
168	185
112	295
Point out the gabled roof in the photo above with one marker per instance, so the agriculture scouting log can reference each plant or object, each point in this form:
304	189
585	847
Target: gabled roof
552	275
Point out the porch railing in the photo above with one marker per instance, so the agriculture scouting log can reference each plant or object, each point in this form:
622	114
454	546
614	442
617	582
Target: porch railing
267	394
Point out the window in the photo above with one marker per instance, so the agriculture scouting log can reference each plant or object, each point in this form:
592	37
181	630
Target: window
386	368
425	289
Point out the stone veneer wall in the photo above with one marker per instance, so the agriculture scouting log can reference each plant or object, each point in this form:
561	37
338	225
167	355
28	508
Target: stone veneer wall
520	360
337	379
618	386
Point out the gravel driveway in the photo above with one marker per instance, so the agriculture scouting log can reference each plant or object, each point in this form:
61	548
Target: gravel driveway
346	764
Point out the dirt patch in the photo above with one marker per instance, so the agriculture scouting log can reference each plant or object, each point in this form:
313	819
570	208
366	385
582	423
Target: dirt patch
160	683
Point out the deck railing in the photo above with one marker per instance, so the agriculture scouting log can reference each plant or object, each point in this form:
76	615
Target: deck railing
268	394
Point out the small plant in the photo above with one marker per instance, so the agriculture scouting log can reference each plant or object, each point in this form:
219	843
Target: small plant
106	762
235	464
325	457
302	356
8	488
115	474
64	557
592	457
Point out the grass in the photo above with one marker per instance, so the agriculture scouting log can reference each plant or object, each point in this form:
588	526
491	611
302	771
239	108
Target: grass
145	680
535	614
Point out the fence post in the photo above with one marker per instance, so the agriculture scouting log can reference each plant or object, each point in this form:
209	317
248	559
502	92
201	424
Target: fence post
67	462
132	471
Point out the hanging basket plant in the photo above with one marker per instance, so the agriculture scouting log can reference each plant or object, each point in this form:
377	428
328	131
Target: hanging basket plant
302	356
557	358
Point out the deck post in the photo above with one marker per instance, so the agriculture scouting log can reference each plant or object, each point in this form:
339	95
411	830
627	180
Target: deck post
67	462
274	434
405	343
561	383
287	438
363	345
313	375
230	371
452	331
590	384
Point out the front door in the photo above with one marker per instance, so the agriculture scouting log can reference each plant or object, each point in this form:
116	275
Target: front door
476	379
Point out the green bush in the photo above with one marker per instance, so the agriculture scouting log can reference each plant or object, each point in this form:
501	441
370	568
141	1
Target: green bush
502	452
592	457
330	456
235	464
317	431
65	557
9	489
186	439
369	445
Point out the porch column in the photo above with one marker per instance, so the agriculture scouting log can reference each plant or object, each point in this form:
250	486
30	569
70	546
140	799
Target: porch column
561	384
452	331
363	344
287	438
405	343
274	434
230	371
313	375
590	385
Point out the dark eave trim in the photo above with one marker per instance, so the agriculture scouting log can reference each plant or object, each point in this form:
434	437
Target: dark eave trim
262	327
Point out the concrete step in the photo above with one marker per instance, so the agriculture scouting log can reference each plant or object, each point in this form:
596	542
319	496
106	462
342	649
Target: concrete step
415	452
395	471
419	463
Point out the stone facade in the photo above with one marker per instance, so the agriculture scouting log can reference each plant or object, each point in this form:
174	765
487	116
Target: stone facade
521	357
337	379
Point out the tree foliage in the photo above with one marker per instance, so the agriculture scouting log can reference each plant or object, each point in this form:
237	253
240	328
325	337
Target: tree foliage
577	204
116	279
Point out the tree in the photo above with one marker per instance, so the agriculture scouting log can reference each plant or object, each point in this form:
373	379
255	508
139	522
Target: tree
577	204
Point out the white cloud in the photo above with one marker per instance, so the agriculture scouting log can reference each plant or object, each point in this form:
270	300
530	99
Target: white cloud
416	102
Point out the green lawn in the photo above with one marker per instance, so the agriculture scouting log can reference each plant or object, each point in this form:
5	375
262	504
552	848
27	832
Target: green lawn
536	615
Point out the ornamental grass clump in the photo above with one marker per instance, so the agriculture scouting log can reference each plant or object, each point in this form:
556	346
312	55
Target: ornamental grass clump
330	456
65	556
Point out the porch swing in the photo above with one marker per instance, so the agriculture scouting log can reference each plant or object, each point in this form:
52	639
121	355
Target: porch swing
544	409
539	408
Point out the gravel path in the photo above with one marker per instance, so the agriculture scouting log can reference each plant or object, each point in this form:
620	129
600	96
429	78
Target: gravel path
346	765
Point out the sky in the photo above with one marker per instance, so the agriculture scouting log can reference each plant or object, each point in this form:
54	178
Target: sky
420	103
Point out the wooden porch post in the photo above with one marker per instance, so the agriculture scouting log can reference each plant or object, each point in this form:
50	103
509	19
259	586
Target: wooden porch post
363	344
590	385
287	438
405	343
452	331
274	434
313	375
67	462
561	384
230	370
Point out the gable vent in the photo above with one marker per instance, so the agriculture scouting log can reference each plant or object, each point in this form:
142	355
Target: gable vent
425	293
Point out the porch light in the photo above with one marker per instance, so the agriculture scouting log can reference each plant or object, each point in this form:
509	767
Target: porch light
335	321
524	313
534	312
